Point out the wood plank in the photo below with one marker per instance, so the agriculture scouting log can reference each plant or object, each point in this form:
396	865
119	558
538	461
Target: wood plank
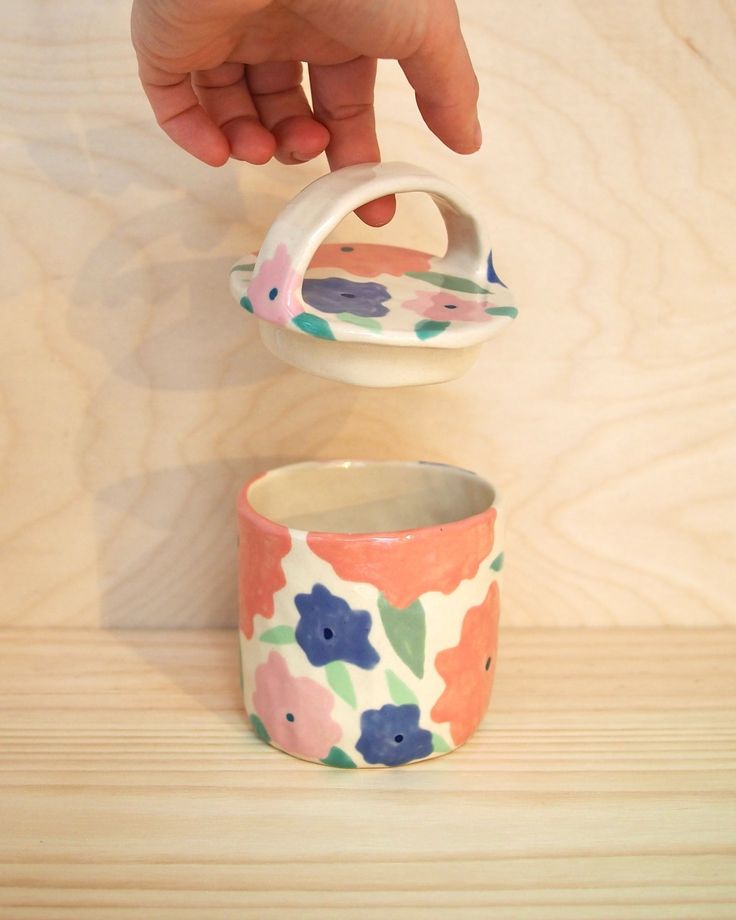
602	783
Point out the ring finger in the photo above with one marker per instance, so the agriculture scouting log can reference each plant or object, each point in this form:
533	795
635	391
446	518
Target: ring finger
276	89
224	95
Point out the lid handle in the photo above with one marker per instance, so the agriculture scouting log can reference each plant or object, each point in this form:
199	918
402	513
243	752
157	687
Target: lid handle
275	290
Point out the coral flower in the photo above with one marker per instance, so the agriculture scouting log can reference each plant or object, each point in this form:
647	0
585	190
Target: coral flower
261	553
468	669
406	565
367	260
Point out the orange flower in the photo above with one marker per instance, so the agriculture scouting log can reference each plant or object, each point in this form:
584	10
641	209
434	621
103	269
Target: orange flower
367	260
468	669
261	551
408	564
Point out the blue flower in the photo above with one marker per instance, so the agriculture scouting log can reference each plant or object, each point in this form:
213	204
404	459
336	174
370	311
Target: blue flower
491	271
391	735
330	630
340	295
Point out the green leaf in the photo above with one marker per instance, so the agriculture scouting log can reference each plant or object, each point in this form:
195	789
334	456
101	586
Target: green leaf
429	328
338	758
313	325
502	311
400	693
366	321
259	727
243	268
497	563
439	745
279	635
339	679
449	282
246	304
406	630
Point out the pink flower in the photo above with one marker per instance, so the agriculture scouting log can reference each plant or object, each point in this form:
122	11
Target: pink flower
367	260
295	710
445	306
266	291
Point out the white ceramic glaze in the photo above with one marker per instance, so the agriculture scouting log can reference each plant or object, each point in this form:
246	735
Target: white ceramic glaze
369	605
419	319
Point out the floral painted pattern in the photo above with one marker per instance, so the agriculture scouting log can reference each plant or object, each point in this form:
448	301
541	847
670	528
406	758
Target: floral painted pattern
266	288
295	711
375	291
405	566
468	669
330	630
261	574
446	306
368	260
391	735
368	650
340	295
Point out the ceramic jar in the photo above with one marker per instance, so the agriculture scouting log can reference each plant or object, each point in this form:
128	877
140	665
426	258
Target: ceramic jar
369	605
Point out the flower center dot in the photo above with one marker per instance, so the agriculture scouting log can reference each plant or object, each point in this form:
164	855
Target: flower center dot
398	738
289	716
346	249
273	293
327	633
488	663
345	294
450	306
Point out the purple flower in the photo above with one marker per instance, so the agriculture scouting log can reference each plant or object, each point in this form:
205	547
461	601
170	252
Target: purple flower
340	295
330	630
391	735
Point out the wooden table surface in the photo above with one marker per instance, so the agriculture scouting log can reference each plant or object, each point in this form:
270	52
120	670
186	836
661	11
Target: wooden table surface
600	786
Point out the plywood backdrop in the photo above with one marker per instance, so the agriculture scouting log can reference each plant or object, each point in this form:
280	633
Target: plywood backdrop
136	396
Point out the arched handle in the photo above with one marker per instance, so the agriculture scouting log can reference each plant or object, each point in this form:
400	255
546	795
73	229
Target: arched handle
300	228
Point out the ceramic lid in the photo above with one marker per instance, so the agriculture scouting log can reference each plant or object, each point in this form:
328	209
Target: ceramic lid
367	292
371	294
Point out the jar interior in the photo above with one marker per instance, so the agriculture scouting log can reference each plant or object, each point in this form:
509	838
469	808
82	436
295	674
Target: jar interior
369	497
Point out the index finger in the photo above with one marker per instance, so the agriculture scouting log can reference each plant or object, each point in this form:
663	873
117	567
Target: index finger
446	87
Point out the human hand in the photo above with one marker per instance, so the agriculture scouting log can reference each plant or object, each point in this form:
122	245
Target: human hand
224	77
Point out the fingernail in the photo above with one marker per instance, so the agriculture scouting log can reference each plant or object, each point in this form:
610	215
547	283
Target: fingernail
300	158
477	134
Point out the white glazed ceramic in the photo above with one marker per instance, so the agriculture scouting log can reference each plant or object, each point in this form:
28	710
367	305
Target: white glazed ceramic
369	314
369	605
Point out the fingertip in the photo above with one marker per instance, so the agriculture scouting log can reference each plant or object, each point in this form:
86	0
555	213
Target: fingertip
470	142
194	132
299	139
379	212
218	155
462	146
249	141
460	131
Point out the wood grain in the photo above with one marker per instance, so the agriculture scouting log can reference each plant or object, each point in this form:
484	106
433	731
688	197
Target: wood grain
602	784
136	397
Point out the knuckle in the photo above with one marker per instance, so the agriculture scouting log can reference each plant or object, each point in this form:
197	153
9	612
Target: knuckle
345	111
